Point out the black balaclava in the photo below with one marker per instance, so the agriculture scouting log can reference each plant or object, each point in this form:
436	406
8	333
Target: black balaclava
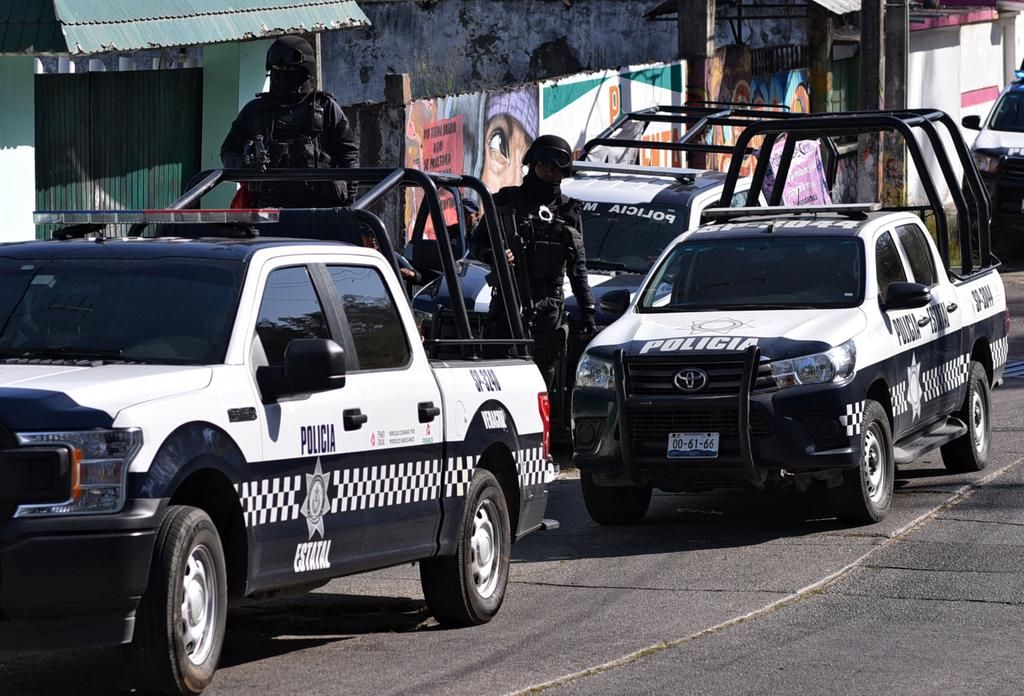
538	191
290	86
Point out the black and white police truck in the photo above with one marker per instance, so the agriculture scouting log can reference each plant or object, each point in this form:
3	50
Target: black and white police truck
629	214
224	411
784	346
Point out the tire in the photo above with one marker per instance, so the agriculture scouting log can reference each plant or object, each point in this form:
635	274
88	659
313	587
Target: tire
969	452
865	495
614	505
187	590
467	589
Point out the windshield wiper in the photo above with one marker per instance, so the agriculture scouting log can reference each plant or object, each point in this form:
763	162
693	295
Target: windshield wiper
67	353
602	265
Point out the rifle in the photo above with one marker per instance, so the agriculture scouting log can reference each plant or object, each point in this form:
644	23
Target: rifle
256	156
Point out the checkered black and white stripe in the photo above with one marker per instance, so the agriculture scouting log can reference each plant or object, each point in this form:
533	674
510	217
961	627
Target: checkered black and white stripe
534	468
853	419
900	403
279	499
1000	351
385	485
270	500
945	378
458	476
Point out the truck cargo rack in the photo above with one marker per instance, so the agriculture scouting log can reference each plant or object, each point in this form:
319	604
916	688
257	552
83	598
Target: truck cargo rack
383	181
973	214
698	117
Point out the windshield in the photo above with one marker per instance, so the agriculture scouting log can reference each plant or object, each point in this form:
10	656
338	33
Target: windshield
762	273
177	311
1008	114
625	237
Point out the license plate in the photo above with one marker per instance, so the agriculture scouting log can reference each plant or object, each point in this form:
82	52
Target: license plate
686	445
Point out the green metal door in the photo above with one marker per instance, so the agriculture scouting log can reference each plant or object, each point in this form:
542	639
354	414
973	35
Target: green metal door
109	140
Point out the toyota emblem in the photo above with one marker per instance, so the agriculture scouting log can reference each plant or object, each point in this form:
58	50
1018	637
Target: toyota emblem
691	379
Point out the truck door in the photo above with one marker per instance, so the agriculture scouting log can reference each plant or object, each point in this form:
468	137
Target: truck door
906	337
294	504
401	487
944	367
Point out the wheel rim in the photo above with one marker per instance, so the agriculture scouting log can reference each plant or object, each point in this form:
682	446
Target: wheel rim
978	421
485	549
874	464
199	605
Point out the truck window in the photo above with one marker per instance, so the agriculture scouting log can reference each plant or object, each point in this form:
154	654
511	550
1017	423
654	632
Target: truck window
627	237
165	311
888	266
918	254
290	309
373	319
772	272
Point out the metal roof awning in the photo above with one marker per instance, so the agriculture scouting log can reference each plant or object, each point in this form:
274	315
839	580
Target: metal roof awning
81	27
669	9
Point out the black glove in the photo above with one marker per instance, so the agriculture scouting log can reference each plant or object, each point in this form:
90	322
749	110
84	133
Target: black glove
589	326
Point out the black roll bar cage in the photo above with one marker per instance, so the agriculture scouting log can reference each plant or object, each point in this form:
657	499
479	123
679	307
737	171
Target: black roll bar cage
698	119
383	181
827	126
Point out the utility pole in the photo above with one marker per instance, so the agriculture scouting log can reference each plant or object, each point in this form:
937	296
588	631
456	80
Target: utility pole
894	150
696	27
872	95
819	44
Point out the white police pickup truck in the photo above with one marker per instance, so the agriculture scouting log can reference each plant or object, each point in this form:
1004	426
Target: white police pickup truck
187	422
791	345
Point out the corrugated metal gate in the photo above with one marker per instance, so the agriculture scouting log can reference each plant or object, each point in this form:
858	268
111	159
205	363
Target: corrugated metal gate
108	140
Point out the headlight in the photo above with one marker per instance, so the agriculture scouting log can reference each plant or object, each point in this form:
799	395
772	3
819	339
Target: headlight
595	373
986	163
835	366
100	461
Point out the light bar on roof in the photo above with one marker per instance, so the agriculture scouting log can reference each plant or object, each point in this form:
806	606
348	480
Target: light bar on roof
247	216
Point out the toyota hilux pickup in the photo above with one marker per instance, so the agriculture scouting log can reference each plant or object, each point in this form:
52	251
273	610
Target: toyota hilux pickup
629	213
777	345
219	410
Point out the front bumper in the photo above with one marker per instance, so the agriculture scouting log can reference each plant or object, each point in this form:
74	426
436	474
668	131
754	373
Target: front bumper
69	582
621	438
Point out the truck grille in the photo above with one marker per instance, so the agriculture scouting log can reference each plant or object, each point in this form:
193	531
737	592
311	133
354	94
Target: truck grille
1013	168
649	428
655	377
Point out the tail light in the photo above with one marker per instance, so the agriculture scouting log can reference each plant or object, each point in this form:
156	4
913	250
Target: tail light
544	407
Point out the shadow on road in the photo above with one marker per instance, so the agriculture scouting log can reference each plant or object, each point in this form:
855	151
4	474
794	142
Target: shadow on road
255	632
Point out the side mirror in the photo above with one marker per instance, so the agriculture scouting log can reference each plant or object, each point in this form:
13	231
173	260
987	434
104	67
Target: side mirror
312	365
615	302
971	122
907	296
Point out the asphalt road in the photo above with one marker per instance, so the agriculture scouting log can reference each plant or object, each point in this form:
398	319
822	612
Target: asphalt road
729	593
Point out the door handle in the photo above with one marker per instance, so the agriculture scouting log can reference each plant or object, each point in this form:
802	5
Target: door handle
428	411
923	321
353	418
951	307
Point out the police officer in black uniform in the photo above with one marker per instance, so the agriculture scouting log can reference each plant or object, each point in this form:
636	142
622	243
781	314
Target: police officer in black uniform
292	126
546	240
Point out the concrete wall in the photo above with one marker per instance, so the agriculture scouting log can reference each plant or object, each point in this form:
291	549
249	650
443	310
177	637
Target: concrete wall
17	148
454	47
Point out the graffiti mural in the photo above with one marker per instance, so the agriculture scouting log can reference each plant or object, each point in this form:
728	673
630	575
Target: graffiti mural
579	108
486	134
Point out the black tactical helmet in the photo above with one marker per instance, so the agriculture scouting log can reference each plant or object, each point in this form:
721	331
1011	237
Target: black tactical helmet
550	149
291	52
